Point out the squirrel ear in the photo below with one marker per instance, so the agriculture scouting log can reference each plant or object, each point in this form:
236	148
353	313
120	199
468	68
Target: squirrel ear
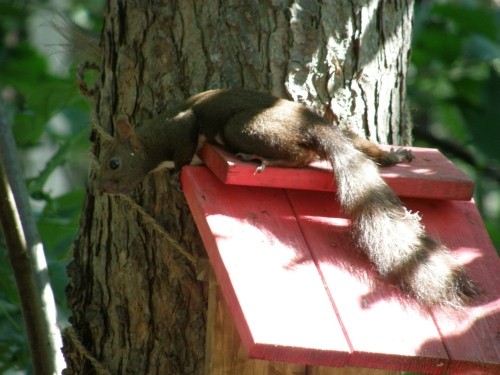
123	130
125	133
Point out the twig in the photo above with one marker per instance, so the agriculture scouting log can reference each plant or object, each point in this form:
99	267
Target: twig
27	260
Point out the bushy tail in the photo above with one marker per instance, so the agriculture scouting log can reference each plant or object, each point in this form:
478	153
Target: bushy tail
392	237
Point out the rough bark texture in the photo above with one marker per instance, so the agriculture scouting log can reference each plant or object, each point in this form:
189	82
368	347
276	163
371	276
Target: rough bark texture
137	305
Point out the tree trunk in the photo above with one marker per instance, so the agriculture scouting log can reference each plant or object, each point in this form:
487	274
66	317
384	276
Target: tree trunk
137	305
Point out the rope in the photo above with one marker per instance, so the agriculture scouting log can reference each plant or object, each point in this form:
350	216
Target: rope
158	228
70	334
80	78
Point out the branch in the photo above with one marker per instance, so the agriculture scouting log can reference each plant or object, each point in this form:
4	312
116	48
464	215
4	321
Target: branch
28	260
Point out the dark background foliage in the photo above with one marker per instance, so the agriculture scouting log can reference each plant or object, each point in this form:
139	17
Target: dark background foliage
454	89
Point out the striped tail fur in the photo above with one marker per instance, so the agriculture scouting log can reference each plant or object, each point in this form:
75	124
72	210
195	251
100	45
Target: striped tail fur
393	238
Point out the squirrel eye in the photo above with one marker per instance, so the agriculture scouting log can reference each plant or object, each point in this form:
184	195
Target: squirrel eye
114	164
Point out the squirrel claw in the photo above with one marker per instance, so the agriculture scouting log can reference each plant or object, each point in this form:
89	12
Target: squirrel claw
251	157
260	168
176	181
402	155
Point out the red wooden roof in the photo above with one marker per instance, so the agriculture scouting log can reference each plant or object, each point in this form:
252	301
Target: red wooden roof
431	175
299	293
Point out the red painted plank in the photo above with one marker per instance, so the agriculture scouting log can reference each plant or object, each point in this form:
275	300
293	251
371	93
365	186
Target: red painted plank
263	265
471	336
430	175
268	276
385	329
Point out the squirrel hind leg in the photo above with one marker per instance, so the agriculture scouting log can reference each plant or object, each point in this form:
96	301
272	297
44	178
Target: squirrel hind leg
379	156
298	161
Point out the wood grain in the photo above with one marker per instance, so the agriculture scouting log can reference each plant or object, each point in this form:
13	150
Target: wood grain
471	335
225	353
298	293
385	329
263	265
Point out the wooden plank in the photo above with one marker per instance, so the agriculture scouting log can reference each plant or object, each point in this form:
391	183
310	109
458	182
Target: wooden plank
271	285
224	352
385	329
472	335
430	175
349	371
262	260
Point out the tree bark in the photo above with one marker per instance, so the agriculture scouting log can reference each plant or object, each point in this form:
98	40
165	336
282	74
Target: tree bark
137	305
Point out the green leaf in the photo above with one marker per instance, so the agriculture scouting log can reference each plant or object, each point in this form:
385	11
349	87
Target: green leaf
439	44
36	185
59	223
44	95
67	206
469	19
483	121
480	48
469	88
451	115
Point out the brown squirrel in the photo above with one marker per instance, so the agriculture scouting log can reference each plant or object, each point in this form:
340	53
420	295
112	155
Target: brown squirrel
278	132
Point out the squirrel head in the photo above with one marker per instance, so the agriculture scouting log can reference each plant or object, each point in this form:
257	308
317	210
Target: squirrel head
123	163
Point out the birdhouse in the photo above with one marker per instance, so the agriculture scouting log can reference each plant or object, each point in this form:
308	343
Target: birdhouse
291	296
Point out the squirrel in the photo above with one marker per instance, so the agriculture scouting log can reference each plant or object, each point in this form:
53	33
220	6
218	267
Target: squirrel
279	132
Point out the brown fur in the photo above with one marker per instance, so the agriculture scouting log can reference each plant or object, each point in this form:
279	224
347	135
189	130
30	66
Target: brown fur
283	133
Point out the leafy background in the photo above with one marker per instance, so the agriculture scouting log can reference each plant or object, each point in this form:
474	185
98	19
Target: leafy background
453	85
51	125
